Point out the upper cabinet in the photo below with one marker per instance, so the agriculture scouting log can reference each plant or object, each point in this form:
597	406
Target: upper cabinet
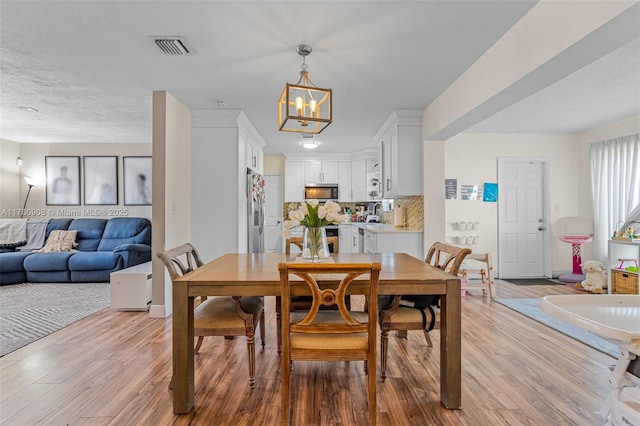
254	156
358	180
400	142
321	172
345	188
293	181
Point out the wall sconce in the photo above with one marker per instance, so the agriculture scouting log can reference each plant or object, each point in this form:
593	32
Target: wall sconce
18	161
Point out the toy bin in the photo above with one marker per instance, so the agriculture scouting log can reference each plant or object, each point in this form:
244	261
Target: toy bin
624	282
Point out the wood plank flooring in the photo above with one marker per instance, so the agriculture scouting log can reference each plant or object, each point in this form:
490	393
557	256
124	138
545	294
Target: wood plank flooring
113	368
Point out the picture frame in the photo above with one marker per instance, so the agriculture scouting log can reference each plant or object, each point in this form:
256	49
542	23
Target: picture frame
137	180
100	180
63	180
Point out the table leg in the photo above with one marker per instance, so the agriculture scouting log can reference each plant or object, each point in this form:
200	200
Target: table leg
183	363
450	347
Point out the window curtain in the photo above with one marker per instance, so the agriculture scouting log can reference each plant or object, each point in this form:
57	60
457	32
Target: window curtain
615	182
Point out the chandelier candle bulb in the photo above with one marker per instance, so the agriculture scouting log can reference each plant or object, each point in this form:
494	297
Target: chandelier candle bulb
299	106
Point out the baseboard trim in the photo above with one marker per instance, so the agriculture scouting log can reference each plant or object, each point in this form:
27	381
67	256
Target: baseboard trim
158	311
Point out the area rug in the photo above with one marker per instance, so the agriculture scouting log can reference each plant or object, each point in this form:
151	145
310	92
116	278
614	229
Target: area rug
531	309
29	311
531	281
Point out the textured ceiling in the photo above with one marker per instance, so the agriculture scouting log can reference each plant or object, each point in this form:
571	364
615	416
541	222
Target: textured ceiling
90	68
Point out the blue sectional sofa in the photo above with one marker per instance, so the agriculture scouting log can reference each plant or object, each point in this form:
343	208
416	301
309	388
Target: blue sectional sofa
104	246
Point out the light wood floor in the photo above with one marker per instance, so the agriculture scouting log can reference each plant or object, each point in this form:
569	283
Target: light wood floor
113	368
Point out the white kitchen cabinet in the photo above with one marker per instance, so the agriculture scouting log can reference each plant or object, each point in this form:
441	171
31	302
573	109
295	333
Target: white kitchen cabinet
253	154
400	141
345	191
321	172
392	242
294	181
346	238
358	180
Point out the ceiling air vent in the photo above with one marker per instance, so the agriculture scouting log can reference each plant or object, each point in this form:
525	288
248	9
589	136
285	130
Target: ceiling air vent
172	45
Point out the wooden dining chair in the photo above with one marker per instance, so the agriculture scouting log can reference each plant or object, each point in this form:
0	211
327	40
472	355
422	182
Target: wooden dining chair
402	315
328	335
218	316
300	303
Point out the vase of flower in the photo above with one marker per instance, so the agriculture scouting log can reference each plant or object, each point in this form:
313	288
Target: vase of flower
313	217
314	243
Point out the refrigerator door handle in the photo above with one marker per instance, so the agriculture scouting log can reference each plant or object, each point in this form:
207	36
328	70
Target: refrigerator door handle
262	218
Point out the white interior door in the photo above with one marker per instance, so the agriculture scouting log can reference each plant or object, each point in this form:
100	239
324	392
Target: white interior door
521	219
273	211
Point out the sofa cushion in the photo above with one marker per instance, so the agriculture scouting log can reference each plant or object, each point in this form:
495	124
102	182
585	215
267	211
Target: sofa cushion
13	262
89	232
95	261
54	261
60	241
13	277
125	230
57	225
48	277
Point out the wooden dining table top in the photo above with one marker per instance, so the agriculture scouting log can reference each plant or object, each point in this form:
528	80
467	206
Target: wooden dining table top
244	274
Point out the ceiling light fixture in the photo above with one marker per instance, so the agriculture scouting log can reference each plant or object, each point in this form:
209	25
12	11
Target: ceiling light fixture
303	107
309	142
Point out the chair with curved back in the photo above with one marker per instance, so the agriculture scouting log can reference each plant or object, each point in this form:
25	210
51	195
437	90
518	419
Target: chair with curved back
402	315
299	303
218	316
331	334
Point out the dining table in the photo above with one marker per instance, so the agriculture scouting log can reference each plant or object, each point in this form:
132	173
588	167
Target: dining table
256	274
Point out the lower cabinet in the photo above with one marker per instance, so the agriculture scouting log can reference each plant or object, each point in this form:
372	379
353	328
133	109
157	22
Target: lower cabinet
392	242
346	239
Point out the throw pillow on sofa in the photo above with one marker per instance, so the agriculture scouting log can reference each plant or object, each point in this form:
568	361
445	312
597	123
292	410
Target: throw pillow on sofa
60	241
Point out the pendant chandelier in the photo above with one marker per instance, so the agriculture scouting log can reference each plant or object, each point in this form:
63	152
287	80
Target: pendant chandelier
303	107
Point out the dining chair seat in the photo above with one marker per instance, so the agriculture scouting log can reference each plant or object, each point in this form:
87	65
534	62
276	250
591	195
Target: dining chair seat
221	311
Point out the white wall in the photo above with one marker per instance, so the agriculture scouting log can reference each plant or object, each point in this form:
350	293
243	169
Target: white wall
472	159
10	184
216	173
33	165
171	191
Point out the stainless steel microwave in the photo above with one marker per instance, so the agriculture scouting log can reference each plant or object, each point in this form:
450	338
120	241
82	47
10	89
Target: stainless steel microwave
321	191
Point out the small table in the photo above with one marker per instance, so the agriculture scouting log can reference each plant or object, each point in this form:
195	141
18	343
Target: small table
256	274
613	317
131	288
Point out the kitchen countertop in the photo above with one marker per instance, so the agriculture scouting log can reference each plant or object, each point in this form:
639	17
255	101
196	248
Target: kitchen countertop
380	228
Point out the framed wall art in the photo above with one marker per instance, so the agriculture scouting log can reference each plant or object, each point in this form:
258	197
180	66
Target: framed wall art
100	180
63	180
137	181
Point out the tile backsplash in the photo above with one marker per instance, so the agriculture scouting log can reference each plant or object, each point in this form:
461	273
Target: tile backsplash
413	210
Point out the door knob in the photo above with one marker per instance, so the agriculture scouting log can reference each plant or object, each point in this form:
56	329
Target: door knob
541	228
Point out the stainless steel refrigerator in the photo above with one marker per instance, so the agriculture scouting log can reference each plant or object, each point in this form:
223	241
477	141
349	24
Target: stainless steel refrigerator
255	212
